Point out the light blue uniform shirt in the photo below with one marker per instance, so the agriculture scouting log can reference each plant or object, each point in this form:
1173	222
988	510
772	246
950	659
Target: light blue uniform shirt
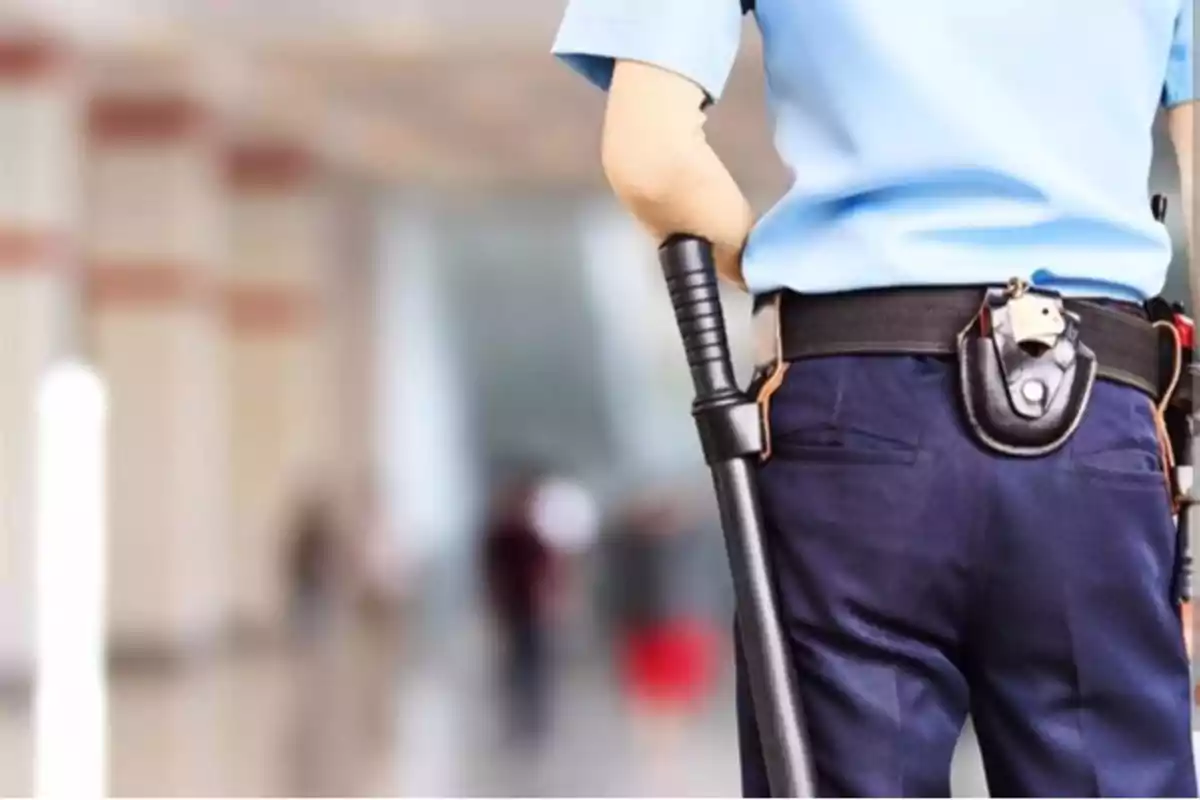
937	141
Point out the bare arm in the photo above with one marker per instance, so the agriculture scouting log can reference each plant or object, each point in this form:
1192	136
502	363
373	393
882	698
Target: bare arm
1181	121
662	168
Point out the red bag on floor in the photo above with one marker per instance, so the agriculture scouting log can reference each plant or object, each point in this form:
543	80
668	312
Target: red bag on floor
671	664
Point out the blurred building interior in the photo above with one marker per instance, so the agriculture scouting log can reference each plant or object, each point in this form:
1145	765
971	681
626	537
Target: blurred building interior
353	257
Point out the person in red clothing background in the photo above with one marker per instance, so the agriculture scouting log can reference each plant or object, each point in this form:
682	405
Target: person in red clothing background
520	570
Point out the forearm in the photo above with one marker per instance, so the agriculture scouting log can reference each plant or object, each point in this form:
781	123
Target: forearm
662	168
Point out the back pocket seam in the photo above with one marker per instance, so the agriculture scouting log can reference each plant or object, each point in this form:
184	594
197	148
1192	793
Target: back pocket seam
833	454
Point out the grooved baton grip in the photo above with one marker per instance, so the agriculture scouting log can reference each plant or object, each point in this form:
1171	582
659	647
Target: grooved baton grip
691	275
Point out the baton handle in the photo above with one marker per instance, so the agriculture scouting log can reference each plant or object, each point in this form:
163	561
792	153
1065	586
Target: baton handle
687	265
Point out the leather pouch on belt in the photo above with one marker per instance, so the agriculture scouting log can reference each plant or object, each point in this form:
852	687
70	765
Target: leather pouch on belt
1025	376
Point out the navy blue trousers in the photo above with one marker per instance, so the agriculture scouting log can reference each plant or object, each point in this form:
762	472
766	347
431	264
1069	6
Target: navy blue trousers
922	578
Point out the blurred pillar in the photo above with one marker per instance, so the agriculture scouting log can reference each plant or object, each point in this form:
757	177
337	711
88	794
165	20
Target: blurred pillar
155	248
39	143
276	314
351	330
427	460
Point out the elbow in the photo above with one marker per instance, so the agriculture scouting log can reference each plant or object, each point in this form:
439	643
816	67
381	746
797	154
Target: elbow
653	141
645	171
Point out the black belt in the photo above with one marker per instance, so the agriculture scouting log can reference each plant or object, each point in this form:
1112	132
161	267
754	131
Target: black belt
927	321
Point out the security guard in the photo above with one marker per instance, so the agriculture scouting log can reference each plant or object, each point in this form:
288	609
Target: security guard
966	491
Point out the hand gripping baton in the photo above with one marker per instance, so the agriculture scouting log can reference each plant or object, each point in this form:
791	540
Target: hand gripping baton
731	437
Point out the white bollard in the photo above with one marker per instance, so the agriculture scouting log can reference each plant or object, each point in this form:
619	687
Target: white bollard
69	699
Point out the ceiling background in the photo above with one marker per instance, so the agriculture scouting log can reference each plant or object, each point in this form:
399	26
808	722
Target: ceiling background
441	92
449	93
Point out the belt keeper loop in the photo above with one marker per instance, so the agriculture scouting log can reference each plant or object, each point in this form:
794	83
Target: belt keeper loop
773	381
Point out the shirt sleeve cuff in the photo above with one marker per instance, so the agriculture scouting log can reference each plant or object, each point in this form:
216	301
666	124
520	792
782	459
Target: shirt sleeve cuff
1180	86
1179	93
591	45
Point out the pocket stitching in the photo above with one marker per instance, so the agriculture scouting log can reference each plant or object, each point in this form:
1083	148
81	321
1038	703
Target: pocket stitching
1117	475
833	454
1124	478
1080	455
894	450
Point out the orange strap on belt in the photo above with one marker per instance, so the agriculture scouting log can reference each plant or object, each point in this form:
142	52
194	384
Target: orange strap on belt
774	380
1166	451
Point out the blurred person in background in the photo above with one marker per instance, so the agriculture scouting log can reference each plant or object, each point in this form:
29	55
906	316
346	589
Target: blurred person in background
324	731
520	572
941	149
313	566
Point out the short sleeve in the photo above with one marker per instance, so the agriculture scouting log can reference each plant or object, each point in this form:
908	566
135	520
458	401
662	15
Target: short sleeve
697	39
1180	86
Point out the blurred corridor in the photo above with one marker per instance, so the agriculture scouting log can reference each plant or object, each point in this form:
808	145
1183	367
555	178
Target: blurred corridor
346	268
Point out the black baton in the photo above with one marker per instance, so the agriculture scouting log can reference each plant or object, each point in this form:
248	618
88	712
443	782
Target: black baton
731	437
